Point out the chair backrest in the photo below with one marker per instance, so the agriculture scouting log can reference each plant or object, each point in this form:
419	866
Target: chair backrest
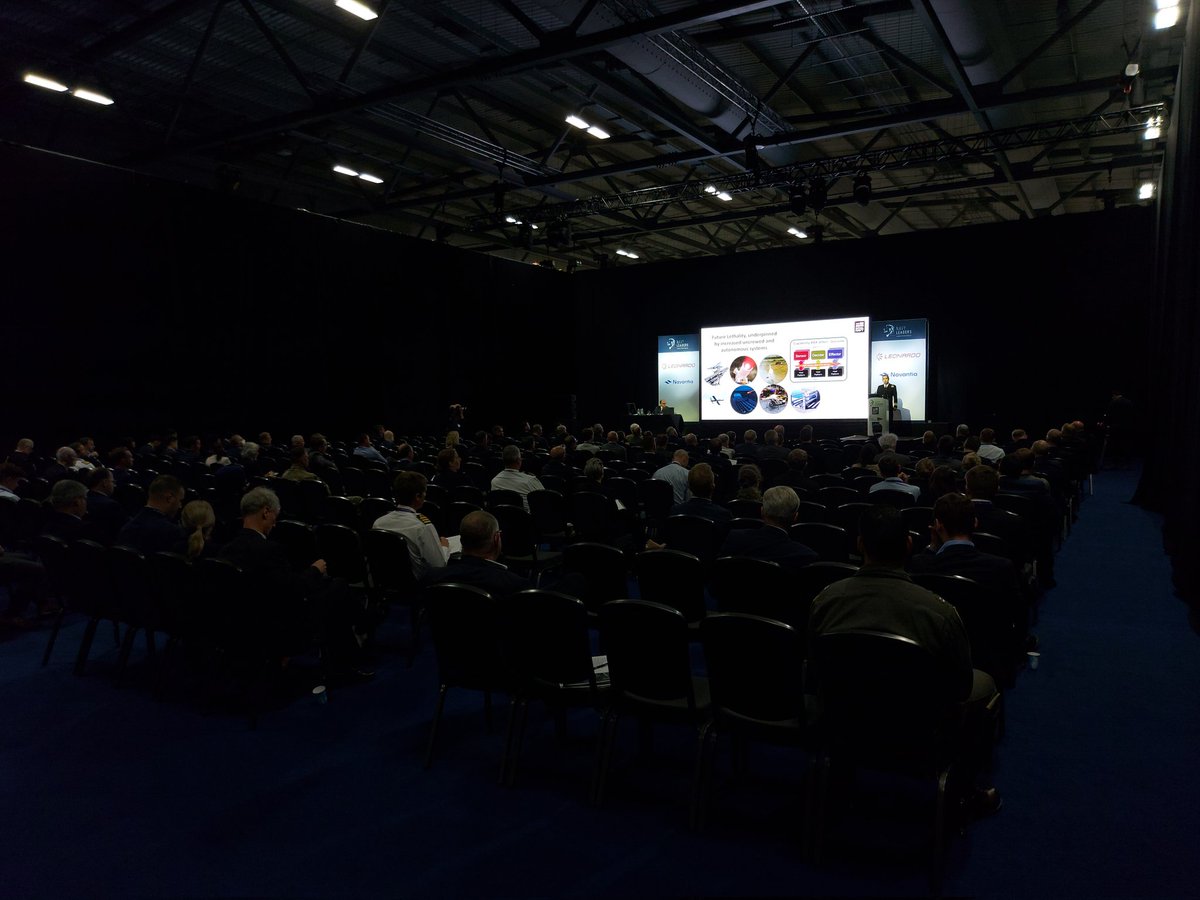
750	509
298	539
808	511
673	578
993	544
546	639
814	578
372	508
985	617
884	698
549	511
453	515
353	481
833	497
137	600
390	564
625	490
341	548
338	510
863	483
830	542
656	497
503	497
520	536
604	569
755	669
465	493
377	482
435	493
90	576
647	648
773	470
311	495
175	588
593	515
746	524
52	551
693	534
288	492
755	586
891	497
465	622
917	518
847	516
131	496
827	479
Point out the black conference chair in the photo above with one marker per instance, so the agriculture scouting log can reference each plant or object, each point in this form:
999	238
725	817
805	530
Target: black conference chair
814	578
693	534
757	587
389	564
372	509
549	511
829	541
453	515
520	544
650	675
603	573
672	578
755	671
341	548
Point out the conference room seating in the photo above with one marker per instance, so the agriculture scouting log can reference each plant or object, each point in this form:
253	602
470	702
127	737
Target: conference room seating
673	578
693	534
757	587
651	677
519	547
828	541
391	579
603	574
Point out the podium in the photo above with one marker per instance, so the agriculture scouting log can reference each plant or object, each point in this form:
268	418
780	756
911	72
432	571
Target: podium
879	416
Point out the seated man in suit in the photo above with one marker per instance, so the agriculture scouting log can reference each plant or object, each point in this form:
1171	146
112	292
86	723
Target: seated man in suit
154	529
702	482
881	597
893	478
951	552
68	498
772	542
105	516
749	445
887	444
301	467
772	447
478	566
302	600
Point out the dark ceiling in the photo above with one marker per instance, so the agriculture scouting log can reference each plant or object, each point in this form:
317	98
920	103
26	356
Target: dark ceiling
956	112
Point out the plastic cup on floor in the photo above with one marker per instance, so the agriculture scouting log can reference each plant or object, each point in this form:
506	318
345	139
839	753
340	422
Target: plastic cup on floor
320	695
1034	656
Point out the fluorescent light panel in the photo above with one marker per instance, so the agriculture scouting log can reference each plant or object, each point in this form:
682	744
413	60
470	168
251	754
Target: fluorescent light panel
85	94
597	132
577	122
796	232
48	83
724	195
1146	191
357	9
374	179
345	170
1167	17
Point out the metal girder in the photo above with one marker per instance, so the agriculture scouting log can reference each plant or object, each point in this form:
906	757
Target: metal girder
193	68
943	187
144	26
279	49
352	61
976	147
555	47
854	13
1048	42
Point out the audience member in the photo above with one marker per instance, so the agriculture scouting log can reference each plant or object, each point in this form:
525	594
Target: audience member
749	445
365	450
425	547
449	470
299	470
105	516
893	478
772	447
989	451
675	473
68	502
11	476
702	482
120	462
22	457
197	520
772	542
749	481
152	529
478	566
614	446
511	478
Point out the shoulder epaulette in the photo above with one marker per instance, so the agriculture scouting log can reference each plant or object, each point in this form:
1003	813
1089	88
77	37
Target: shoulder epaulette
424	519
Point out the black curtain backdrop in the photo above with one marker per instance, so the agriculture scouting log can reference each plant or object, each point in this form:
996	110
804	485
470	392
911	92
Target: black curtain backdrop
1171	482
138	304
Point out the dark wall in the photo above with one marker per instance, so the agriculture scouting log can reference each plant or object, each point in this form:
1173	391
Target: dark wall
137	304
1030	322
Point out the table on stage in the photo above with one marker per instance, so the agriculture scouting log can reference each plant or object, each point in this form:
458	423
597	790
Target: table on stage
656	424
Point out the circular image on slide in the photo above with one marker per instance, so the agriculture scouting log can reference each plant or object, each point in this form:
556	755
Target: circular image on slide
773	399
743	370
743	400
775	368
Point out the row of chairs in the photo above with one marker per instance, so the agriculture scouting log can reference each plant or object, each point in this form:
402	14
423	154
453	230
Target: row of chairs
878	706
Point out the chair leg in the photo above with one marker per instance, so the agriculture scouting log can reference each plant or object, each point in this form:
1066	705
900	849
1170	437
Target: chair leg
116	633
433	730
608	731
705	750
53	636
939	829
126	650
517	740
85	646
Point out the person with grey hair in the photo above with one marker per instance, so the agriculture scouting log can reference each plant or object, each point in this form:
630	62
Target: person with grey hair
68	498
887	444
675	473
22	456
478	566
301	602
511	478
772	542
62	467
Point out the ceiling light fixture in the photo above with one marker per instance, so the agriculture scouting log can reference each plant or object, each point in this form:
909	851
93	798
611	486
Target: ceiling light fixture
1146	191
345	170
710	189
1167	15
48	83
724	195
374	179
1153	129
862	189
578	122
92	96
357	9
797	233
599	133
628	254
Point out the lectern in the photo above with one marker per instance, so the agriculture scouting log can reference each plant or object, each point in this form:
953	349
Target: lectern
879	416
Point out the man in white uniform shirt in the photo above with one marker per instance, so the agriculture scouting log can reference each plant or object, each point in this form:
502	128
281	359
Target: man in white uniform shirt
424	545
511	478
676	474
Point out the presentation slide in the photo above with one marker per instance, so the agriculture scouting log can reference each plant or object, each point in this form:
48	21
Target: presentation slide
791	370
679	374
900	351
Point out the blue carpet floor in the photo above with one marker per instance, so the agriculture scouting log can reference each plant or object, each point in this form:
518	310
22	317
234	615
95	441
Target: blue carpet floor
108	791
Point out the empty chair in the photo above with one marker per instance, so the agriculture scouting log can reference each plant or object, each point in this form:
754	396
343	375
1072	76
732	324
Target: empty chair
750	509
453	515
624	491
898	499
988	621
465	624
917	518
755	671
341	549
673	578
501	497
288	492
91	592
52	552
746	524
847	516
311	494
813	579
650	674
603	573
520	546
465	493
549	511
435	493
353	481
863	483
131	496
808	511
755	586
377	482
828	541
550	658
372	508
593	517
833	497
693	534
391	577
137	600
657	498
299	540
337	510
